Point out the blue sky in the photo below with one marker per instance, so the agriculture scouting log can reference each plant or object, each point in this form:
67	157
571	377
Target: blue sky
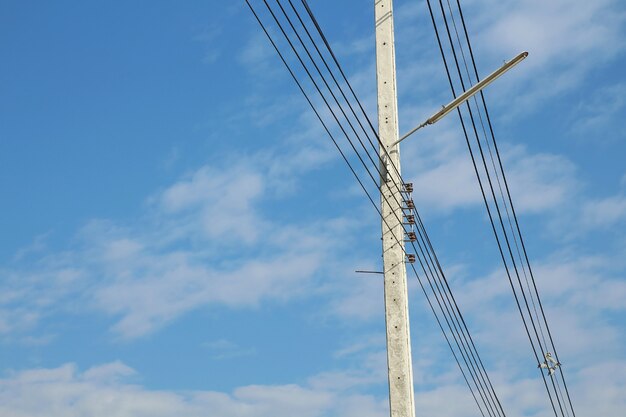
179	236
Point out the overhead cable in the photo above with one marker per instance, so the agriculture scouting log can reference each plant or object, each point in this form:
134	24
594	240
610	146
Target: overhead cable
534	321
446	312
511	202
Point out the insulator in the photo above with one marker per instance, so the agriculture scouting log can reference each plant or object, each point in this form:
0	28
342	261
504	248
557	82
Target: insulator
408	187
410	258
410	204
412	236
410	219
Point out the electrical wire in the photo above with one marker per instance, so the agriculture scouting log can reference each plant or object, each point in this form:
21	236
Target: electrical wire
439	290
532	296
511	203
371	125
487	206
556	386
354	172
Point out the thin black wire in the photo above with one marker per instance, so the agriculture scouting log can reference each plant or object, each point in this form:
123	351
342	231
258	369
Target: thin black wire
556	379
317	49
440	281
517	301
293	76
331	92
362	127
497	205
329	107
359	181
463	342
504	201
495	170
438	290
557	388
456	319
490	182
317	114
319	72
515	236
327	44
440	269
320	92
489	176
512	207
447	339
347	82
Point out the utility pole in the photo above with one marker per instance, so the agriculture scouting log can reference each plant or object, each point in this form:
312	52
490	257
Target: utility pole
401	396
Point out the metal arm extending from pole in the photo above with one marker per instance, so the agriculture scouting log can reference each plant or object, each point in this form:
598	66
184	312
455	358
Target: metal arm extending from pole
467	95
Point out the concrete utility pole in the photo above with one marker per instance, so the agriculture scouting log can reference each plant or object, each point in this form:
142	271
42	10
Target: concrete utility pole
396	298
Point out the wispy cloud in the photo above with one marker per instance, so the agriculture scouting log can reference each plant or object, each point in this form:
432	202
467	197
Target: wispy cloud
602	112
204	241
605	212
226	349
106	389
577	291
445	180
565	43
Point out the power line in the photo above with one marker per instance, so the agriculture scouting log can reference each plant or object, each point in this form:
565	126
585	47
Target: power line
512	207
540	324
456	320
343	155
439	267
439	42
426	272
435	293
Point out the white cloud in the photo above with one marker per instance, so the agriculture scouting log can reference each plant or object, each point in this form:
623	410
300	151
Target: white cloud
37	246
539	182
44	289
205	242
576	291
176	284
109	372
605	212
566	41
605	107
150	273
258	53
226	349
105	391
210	38
433	402
444	177
362	298
221	200
555	30
371	370
17	319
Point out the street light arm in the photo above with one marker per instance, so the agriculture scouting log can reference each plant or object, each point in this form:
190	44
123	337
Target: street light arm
466	95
